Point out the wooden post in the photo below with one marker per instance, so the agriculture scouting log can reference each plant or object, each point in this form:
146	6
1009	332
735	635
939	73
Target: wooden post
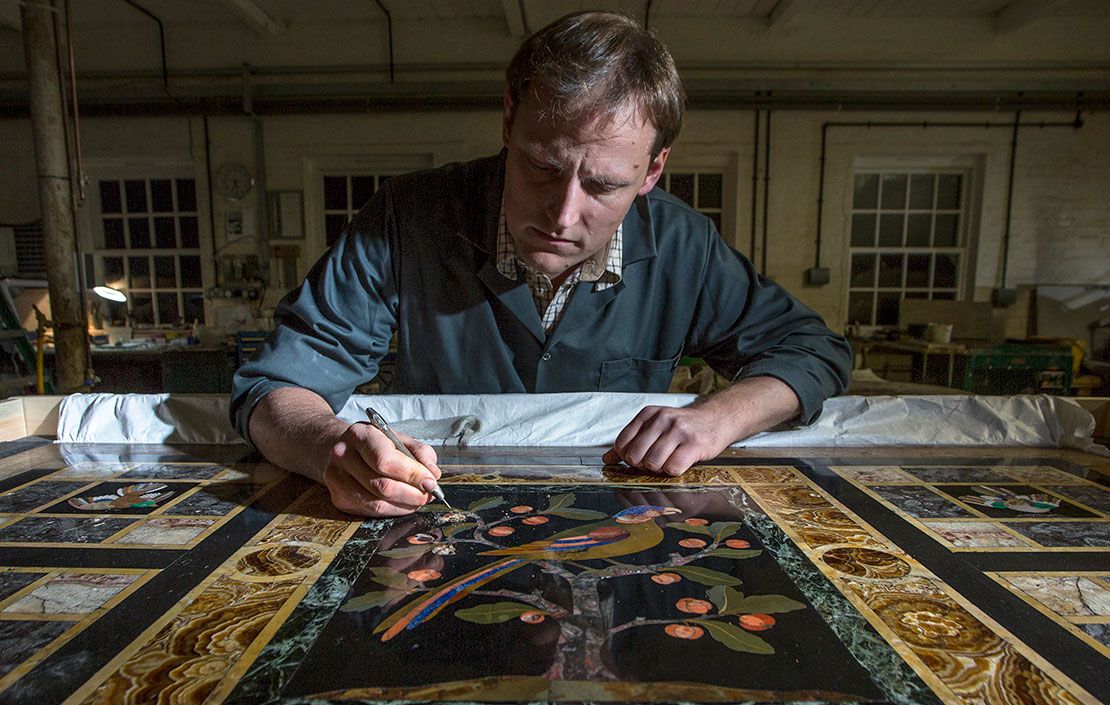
55	194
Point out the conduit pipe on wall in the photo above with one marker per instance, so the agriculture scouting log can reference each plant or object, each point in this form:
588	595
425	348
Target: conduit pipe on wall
927	125
766	192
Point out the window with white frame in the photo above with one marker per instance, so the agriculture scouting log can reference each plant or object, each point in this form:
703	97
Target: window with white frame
149	247
344	196
703	190
908	240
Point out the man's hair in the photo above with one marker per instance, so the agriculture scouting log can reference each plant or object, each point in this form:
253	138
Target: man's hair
595	64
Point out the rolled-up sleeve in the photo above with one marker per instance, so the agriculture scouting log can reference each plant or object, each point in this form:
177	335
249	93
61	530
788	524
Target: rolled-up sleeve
332	331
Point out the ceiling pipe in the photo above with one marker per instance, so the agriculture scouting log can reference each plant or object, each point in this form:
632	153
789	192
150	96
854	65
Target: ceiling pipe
389	31
161	42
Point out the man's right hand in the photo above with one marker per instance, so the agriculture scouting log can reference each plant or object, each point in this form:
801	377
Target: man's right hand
368	476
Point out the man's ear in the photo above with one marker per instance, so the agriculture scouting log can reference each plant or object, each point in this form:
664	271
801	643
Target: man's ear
655	170
507	118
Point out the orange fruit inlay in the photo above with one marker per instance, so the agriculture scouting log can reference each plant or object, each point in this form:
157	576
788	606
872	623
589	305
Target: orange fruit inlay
737	543
756	622
520	509
423	574
532	617
666	578
692	543
693	605
684	631
697	521
502	531
534	521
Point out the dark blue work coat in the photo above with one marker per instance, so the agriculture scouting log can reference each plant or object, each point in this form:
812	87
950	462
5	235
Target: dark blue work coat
420	259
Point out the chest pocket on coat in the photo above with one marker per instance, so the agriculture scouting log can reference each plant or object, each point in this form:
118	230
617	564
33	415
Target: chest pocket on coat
636	375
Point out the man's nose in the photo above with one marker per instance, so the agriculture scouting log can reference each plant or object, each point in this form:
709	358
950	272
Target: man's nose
565	203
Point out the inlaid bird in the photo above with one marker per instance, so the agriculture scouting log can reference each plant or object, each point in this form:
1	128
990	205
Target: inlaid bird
142	495
628	531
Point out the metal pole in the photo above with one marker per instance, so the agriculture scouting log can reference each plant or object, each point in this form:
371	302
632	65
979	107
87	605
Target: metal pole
60	241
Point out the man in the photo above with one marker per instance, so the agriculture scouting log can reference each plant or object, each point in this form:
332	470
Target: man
551	267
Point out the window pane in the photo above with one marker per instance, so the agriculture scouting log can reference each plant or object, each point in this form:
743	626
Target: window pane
886	312
335	193
917	229
113	272
890	270
139	230
947	268
863	229
136	196
682	186
859	307
894	191
947	230
362	188
186	195
333	227
161	196
168	314
916	295
890	229
917	271
863	270
113	234
140	272
921	191
164	235
944	295
709	190
948	191
142	309
866	192
109	197
165	275
190	237
190	270
194	306
716	218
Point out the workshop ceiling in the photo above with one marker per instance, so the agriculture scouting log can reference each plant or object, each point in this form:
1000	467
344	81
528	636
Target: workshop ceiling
367	48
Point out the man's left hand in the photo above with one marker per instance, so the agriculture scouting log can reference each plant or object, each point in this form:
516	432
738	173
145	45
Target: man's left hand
669	440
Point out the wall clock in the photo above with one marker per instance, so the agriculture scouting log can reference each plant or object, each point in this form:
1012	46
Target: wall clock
233	181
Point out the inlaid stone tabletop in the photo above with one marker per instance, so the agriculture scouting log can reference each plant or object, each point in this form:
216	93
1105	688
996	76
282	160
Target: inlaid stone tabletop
139	574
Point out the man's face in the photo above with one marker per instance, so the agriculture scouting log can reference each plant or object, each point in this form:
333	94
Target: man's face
568	185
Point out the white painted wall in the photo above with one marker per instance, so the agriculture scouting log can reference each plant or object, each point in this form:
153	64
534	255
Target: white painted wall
1061	211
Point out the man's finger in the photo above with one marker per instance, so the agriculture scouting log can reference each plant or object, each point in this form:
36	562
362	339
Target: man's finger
633	428
683	457
348	495
380	453
659	453
427	457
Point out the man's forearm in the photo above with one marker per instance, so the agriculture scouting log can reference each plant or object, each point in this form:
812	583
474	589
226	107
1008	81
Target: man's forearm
296	430
751	405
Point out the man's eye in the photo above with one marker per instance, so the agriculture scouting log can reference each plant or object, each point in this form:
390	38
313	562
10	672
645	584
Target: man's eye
541	168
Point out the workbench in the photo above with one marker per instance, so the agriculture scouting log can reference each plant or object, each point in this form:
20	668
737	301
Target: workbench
134	573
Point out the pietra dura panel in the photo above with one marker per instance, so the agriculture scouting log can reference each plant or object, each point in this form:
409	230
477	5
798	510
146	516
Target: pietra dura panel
204	575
